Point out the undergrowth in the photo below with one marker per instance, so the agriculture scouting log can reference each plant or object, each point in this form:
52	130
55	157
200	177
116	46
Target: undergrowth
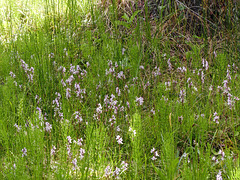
107	90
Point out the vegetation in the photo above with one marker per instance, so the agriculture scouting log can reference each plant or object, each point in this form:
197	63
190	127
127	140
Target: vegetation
119	90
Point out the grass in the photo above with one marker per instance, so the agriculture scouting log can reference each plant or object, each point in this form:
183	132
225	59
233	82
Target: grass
94	90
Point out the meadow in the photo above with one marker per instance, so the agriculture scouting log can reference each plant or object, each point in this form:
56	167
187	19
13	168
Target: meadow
112	90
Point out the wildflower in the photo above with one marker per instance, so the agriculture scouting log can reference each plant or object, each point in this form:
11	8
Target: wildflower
65	50
184	155
69	139
78	117
108	171
74	162
122	108
82	152
112	70
63	83
167	84
214	158
169	65
157	71
18	127
68	91
24	151
182	95
118	129
153	158
228	75
146	85
205	64
32	70
128	104
116	65
156	154
133	131
210	88
88	64
153	111
99	109
219	176
222	154
202	77
152	150
124	166
123	50
120	75
12	74
116	172
48	127
51	55
181	69
118	91
70	79
216	118
53	150
119	139
24	65
80	142
139	100
141	67
69	151
39	112
230	102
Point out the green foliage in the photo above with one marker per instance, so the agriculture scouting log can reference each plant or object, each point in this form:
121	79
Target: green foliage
101	90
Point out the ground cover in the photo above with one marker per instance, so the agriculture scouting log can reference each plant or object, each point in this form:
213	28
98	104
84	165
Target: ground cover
110	90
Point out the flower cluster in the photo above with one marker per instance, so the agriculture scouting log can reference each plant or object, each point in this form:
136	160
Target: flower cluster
57	106
215	118
29	71
182	95
24	152
155	154
226	90
48	127
119	140
139	101
117	172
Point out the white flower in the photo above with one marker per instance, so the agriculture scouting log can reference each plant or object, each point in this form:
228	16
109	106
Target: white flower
24	150
222	154
153	158
124	166
48	127
119	140
53	150
74	162
156	154
108	171
68	93
69	139
82	152
219	176
99	109
139	100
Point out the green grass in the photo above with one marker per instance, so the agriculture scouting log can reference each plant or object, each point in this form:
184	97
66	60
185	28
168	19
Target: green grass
71	107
